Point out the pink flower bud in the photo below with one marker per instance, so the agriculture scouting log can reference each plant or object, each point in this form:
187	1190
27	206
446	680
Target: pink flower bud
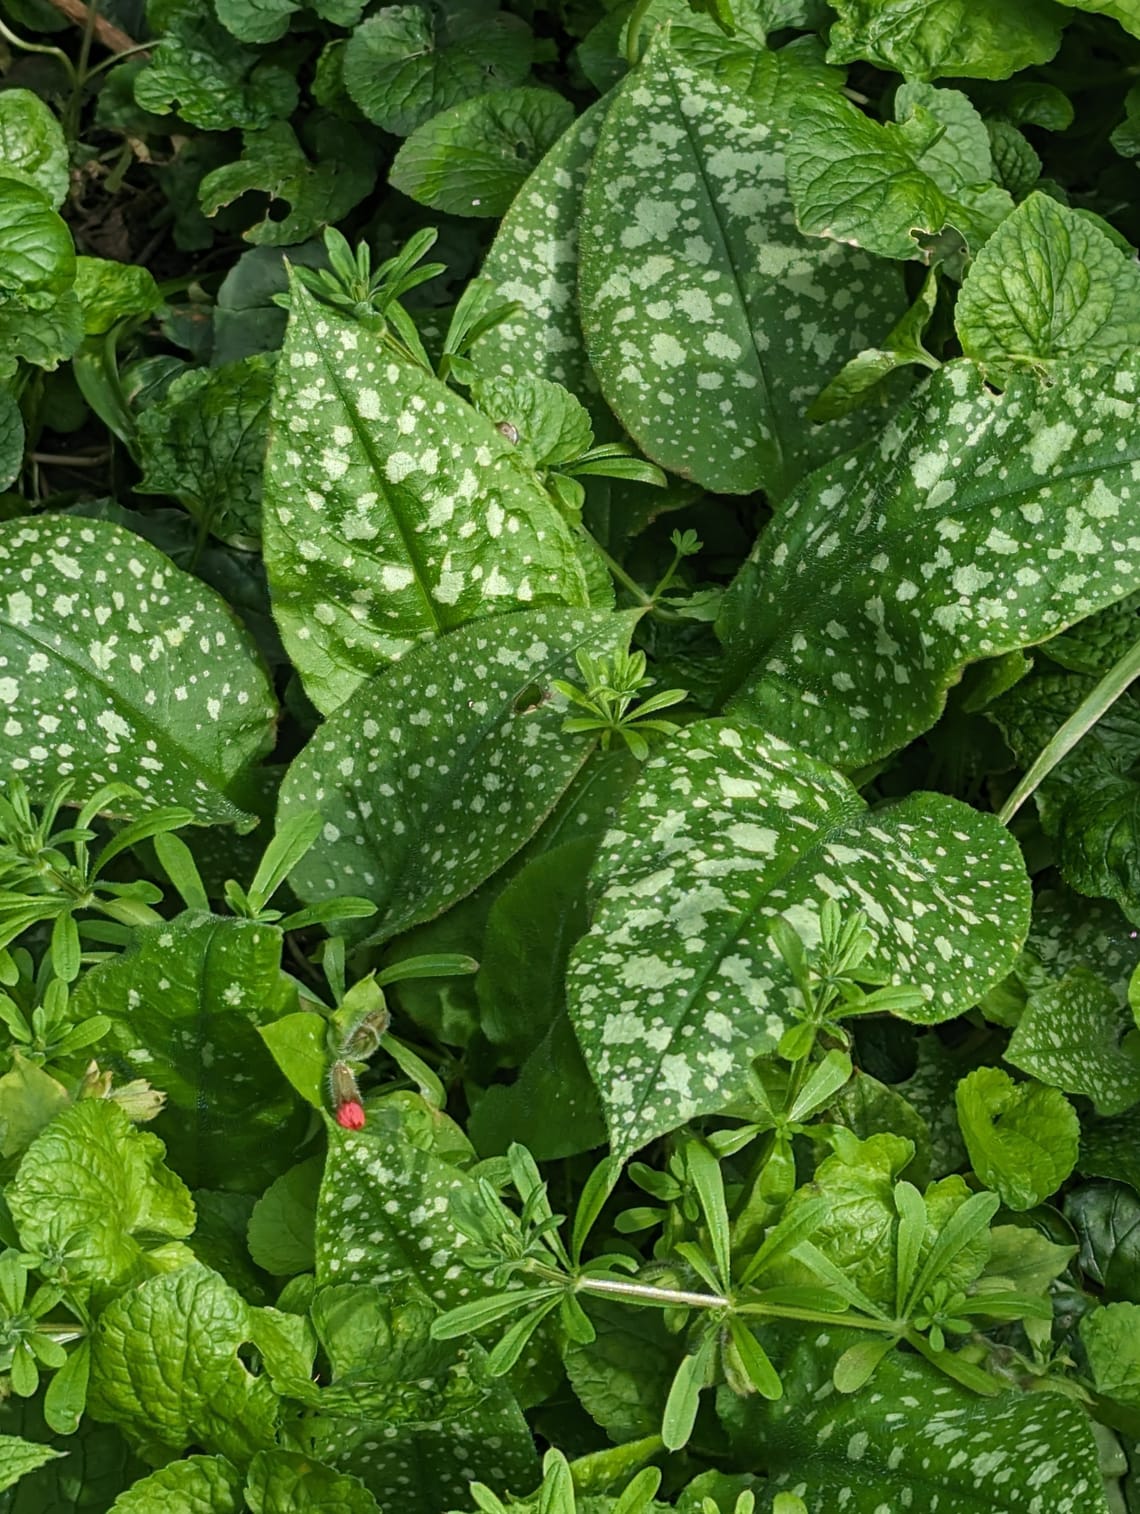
350	1114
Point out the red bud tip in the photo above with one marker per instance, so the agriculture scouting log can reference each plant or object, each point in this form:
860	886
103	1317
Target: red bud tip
350	1114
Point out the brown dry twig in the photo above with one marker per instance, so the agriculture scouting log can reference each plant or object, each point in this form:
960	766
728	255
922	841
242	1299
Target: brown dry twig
105	32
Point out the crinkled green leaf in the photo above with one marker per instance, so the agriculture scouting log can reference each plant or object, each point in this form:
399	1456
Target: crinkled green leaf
95	1188
282	1482
1106	1219
166	1368
197	1485
393	510
109	292
711	322
915	1437
869	1108
97	1465
197	69
976	524
1127	12
32	145
936	39
1074	1035
119	666
1022	1137
1111	1338
679	985
19	1457
1017	167
472	159
320	186
1110	1148
533	262
11	436
430	778
1049	285
203	443
622	1376
406	63
552	426
37	257
44	337
892	187
266	20
185	1000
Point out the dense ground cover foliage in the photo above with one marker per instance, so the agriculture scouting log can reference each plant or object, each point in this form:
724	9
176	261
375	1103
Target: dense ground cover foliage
570	817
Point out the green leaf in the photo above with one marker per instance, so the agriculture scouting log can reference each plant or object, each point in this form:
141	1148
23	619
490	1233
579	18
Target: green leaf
1074	1035
11	436
622	1377
933	39
406	63
281	1482
394	512
1127	12
429	779
110	292
166	1368
847	629
883	186
698	310
1106	1219
198	1485
1048	286
120	667
1022	1137
869	1108
901	347
552	426
774	833
1016	165
37	258
32	145
94	1188
684	1396
185	1000
320	187
299	1046
916	1436
1111	1338
472	159
197	69
29	1099
267	20
203	443
19	1457
282	1227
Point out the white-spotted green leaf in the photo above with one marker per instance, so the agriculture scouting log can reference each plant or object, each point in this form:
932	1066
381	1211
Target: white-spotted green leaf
1049	285
184	1001
711	322
914	1437
938	39
32	145
533	262
471	160
393	511
679	985
883	186
432	776
976	524
117	666
1075	1035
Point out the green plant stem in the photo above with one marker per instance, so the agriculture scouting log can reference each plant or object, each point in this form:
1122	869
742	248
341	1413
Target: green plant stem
1110	688
34	47
634	588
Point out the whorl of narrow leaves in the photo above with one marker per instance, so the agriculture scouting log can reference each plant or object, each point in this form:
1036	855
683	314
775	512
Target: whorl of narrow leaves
679	985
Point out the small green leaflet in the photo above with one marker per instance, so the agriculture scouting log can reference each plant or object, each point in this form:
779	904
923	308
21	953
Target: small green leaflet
430	778
1022	1137
406	63
95	1188
891	188
120	667
1049	285
976	524
393	511
678	984
936	39
533	263
197	69
185	999
710	321
110	292
203	443
916	1436
1074	1035
320	186
165	1368
32	145
472	160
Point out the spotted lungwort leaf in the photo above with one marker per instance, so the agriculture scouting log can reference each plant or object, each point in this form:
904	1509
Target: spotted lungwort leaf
431	777
117	666
393	511
712	323
977	523
678	985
